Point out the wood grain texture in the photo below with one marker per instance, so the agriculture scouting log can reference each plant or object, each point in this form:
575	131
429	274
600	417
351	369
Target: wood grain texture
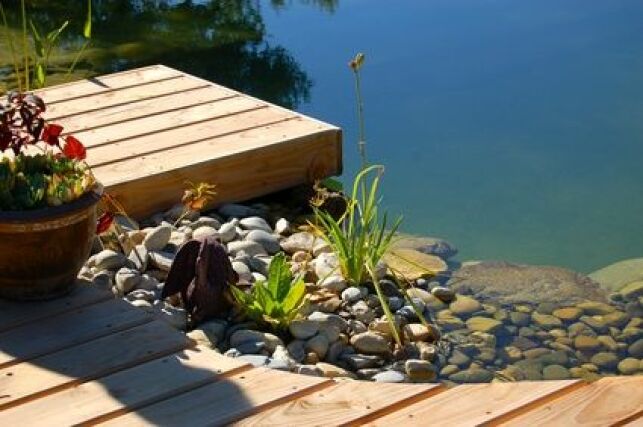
68	329
107	83
224	401
88	361
473	405
125	390
14	314
340	404
609	401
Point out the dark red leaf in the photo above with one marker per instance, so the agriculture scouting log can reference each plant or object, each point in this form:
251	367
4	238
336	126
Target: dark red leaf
104	222
74	149
50	134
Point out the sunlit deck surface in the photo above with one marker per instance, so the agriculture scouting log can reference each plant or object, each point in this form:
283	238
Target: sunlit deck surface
151	129
91	359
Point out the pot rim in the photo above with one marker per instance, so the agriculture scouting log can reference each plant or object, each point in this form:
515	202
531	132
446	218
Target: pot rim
90	198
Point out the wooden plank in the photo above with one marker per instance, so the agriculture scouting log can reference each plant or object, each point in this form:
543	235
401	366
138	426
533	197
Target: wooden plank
225	401
103	356
472	405
107	83
133	110
124	391
68	329
176	137
14	314
243	165
104	100
608	401
343	403
153	124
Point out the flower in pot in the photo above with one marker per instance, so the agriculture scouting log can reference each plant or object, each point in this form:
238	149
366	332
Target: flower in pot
48	199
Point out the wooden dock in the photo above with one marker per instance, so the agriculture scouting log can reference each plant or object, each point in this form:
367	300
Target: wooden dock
151	129
90	359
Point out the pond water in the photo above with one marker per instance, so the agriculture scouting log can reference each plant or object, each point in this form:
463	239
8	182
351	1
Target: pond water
512	129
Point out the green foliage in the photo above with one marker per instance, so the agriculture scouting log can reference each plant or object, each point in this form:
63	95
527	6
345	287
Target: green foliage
277	301
32	182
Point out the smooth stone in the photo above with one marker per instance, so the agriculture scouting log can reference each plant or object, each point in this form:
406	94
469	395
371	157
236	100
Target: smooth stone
445	295
597	323
282	226
278	364
329	318
331	332
605	360
245	275
395	303
555	372
484	324
568	314
260	264
143	305
108	260
321	247
334	283
157	238
302	241
472	375
419	370
587	343
227	232
427	245
632	290
616	319
362	312
103	281
636	349
255	223
417	332
303	329
211	333
370	343
389	376
458	358
593	308
331	371
245	336
325	265
413	265
161	260
361	361
629	366
617	275
281	354
519	319
428	352
269	241
351	294
507	283
250	248
127	279
465	306
297	350
204	231
206	221
318	344
310	370
546	321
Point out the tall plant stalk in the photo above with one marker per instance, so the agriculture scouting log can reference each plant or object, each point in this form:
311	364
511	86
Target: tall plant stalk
356	65
9	38
25	42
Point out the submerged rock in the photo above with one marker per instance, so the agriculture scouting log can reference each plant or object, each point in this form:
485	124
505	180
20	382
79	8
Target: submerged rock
615	276
507	283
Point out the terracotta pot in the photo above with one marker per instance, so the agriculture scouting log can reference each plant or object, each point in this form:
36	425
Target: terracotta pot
42	251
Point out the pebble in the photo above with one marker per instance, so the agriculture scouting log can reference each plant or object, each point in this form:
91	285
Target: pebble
370	343
256	360
568	314
417	332
303	329
361	361
302	241
318	344
331	371
204	231
227	232
605	360
334	283
389	376
108	260
332	319
282	226
269	241
484	324
351	294
587	343
555	372
420	370
157	238
248	337
465	306
161	260
248	247
472	375
636	349
311	370
628	366
255	223
297	350
445	295
546	321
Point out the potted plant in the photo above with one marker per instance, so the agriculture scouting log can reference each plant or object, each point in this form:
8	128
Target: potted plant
48	199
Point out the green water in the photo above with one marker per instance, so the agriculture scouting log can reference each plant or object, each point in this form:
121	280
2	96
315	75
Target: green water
513	129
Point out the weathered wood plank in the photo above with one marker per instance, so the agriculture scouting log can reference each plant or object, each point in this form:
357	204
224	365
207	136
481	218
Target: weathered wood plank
225	401
186	135
14	314
474	405
243	165
103	356
608	401
107	83
133	110
343	403
124	391
68	329
167	120
104	100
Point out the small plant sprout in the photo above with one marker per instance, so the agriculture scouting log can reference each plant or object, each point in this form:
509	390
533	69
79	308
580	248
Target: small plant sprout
275	302
195	198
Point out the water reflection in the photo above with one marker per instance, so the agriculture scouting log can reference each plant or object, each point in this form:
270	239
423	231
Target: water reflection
221	40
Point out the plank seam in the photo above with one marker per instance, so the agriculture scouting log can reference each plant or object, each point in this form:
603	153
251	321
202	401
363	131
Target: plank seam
196	141
396	406
110	89
99	374
541	401
120	104
120	328
165	396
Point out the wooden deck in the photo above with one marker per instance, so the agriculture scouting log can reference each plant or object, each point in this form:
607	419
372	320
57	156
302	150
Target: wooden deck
149	130
90	359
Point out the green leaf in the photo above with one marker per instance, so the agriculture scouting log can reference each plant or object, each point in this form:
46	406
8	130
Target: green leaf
40	74
263	298
295	296
53	35
37	40
333	184
87	28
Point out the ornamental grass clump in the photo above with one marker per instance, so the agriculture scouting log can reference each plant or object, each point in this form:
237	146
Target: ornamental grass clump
275	302
38	166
